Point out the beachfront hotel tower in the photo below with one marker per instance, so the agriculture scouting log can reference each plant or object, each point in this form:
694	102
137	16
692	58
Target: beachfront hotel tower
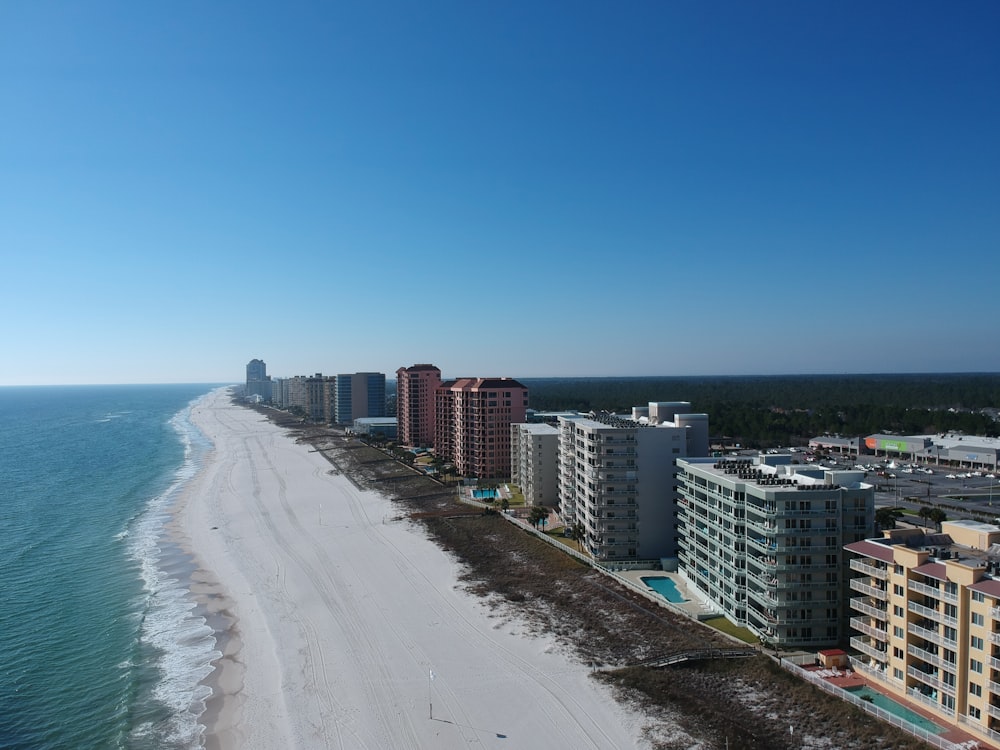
472	424
258	384
361	394
415	389
762	539
926	620
616	477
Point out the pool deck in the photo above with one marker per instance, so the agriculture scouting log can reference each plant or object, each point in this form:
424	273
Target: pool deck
848	678
694	606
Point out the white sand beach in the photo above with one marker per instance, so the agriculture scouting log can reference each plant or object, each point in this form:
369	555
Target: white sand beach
343	611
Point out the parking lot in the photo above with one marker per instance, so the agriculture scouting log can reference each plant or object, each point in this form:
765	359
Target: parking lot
911	484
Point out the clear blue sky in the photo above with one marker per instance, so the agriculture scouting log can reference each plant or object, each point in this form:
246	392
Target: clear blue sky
500	188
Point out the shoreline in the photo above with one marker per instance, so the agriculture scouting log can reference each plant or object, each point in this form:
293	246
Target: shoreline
214	604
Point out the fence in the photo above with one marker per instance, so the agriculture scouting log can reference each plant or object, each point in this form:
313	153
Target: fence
870	708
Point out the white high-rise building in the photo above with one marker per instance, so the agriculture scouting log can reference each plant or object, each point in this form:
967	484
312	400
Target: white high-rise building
534	452
617	478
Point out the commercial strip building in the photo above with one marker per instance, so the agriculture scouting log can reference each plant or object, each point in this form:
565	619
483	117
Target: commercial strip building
534	454
472	424
415	411
617	478
950	449
762	539
927	619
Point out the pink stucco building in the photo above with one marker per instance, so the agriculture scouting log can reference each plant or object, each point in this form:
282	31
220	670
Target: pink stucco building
473	418
415	416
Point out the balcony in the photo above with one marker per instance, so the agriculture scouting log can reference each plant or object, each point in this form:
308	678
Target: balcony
875	593
869	570
932	658
859	644
861	626
861	606
932	614
930	680
930	635
932	591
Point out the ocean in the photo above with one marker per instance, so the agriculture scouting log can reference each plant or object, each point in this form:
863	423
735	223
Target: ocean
101	644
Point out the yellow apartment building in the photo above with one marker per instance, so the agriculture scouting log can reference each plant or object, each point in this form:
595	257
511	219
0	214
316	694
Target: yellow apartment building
926	617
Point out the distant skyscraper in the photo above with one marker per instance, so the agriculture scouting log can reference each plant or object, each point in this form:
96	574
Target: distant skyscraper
258	382
415	387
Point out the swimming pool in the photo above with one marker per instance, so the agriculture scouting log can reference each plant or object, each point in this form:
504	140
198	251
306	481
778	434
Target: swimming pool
484	494
888	704
664	587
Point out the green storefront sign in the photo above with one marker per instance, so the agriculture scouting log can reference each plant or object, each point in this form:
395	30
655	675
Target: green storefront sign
893	445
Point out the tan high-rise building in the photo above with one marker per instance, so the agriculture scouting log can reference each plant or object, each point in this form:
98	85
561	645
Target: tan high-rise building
926	619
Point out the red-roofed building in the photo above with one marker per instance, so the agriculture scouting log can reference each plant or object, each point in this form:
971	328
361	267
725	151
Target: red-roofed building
472	424
927	620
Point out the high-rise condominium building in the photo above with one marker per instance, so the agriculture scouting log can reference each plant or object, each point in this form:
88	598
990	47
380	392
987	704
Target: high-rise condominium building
415	415
258	383
762	539
361	394
926	620
472	424
617	478
534	455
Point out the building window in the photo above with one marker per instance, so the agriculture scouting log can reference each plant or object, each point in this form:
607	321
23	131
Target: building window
976	690
977	596
976	666
974	712
977	619
977	642
897	589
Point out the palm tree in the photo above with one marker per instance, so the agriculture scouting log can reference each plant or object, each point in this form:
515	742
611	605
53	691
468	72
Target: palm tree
938	516
537	514
577	532
885	518
925	512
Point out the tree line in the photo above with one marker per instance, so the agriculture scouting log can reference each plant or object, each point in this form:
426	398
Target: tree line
764	412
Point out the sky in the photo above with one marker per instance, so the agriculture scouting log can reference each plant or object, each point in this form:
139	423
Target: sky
505	188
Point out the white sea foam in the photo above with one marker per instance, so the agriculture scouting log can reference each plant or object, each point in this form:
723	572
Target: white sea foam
185	644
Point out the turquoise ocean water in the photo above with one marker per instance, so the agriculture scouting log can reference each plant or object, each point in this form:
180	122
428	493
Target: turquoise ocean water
101	645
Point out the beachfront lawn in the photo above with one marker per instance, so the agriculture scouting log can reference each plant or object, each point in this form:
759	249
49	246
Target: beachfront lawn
725	626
